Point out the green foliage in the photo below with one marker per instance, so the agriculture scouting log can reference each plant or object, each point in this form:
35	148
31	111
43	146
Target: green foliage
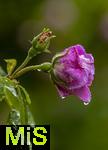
2	72
5	82
12	92
17	99
25	94
11	97
15	95
14	117
11	64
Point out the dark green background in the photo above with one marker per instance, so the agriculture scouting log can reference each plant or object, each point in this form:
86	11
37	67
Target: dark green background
73	125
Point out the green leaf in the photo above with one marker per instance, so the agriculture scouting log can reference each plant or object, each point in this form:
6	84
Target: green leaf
11	97
2	72
26	95
11	64
26	99
1	92
4	81
30	120
14	117
22	106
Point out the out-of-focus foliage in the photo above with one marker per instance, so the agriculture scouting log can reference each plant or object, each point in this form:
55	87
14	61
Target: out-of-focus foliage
73	125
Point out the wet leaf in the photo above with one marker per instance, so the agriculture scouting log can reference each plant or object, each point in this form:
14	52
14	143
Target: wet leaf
22	106
14	118
11	64
1	93
11	97
27	98
30	120
28	115
2	72
4	81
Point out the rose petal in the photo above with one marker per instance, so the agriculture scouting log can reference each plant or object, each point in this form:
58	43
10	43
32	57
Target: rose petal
90	57
70	56
90	79
77	78
62	91
83	93
80	49
74	73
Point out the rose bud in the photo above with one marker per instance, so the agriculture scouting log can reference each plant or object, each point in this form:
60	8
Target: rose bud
41	43
73	72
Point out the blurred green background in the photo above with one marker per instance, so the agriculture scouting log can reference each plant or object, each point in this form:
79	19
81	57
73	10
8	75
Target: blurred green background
73	125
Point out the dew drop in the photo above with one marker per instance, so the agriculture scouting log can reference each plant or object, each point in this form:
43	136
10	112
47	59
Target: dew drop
86	103
63	97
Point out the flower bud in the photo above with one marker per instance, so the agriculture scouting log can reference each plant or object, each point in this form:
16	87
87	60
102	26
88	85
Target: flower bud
41	43
73	72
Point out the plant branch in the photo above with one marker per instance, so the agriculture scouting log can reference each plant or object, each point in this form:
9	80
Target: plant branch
42	67
25	62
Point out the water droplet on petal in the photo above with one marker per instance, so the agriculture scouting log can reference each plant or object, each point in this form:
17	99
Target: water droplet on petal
63	97
86	103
